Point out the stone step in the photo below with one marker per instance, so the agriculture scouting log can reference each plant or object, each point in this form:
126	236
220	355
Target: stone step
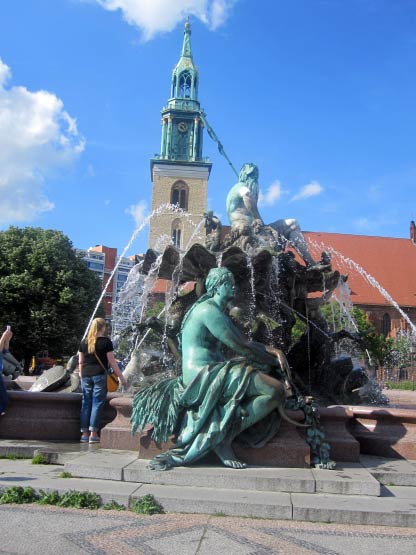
393	472
260	504
347	479
348	509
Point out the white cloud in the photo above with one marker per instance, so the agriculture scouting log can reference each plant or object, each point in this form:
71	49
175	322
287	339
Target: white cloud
159	16
311	190
138	212
37	136
274	192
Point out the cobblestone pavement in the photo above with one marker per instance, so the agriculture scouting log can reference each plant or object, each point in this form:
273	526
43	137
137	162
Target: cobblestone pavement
37	530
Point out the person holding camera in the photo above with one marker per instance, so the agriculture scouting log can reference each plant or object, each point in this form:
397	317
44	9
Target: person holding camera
4	348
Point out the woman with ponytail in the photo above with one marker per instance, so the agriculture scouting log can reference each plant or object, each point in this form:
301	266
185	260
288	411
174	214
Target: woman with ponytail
96	356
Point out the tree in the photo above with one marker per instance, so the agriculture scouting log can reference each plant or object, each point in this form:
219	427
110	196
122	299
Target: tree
47	293
377	344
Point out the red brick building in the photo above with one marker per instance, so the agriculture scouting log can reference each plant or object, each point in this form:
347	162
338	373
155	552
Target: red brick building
390	261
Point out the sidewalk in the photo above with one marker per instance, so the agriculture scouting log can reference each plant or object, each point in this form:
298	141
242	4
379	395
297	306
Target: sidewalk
373	492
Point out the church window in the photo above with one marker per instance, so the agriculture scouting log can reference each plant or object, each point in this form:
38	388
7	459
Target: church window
179	195
176	233
386	325
185	85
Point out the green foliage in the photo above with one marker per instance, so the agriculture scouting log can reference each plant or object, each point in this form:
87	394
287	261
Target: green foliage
47	291
113	506
377	344
40	459
407	385
79	500
17	494
49	498
155	309
147	505
65	474
298	329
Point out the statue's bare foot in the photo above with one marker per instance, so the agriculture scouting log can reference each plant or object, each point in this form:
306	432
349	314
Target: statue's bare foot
227	456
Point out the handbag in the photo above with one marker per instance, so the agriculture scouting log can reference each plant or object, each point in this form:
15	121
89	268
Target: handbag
112	380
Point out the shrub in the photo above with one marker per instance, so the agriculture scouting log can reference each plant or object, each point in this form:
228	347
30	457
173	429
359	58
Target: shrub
17	494
79	500
40	459
147	505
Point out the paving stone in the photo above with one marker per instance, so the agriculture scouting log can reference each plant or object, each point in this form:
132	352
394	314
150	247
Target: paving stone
19	447
102	464
354	509
61	457
252	478
211	501
346	479
25	470
395	472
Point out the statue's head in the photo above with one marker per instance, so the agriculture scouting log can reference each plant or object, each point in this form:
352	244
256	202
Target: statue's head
217	277
249	171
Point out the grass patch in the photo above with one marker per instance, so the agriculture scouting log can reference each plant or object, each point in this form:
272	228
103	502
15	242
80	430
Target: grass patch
80	500
113	506
14	457
407	385
49	498
65	474
17	494
40	459
219	513
147	505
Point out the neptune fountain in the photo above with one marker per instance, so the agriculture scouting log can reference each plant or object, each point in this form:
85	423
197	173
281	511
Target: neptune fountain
232	365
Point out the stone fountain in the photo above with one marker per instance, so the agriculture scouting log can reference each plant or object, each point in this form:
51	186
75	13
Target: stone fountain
276	283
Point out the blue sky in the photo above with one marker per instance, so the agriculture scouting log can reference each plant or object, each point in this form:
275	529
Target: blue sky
319	93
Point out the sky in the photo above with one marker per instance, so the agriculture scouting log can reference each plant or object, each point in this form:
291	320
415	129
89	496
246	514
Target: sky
320	94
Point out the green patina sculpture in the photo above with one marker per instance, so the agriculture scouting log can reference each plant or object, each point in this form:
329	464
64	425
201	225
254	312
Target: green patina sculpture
244	216
216	400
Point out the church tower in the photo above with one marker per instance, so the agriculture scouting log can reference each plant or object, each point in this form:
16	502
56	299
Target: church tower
180	173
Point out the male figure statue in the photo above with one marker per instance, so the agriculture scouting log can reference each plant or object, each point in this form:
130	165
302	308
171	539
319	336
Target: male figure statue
243	212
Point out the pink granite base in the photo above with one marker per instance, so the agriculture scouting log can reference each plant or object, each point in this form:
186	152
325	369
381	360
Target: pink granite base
287	449
336	422
385	432
45	416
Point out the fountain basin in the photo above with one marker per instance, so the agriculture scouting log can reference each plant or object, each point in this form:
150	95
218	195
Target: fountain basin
385	432
46	416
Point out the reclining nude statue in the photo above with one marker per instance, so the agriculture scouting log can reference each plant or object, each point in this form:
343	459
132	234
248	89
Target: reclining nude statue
217	399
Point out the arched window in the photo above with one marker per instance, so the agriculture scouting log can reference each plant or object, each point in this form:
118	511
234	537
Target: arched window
185	85
177	233
386	325
179	195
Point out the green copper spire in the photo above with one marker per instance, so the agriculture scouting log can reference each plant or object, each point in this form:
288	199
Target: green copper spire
186	47
185	74
182	126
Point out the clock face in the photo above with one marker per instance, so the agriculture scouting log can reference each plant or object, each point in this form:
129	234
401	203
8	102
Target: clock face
182	127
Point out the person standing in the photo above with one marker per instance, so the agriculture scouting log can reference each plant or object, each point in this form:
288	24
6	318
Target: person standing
4	348
96	356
